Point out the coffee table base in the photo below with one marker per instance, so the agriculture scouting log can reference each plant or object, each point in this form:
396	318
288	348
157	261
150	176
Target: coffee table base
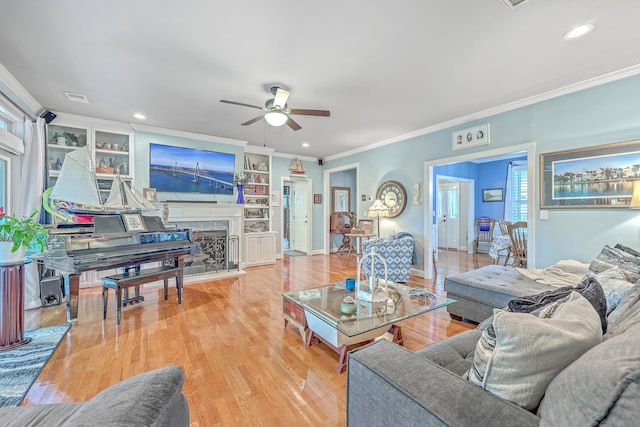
395	330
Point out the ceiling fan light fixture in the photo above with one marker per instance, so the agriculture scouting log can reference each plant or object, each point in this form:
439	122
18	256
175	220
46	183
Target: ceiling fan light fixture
276	118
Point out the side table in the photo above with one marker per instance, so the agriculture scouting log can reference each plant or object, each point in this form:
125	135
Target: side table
359	237
12	305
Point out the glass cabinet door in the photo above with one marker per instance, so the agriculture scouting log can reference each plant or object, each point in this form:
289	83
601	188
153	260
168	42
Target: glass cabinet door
61	140
112	153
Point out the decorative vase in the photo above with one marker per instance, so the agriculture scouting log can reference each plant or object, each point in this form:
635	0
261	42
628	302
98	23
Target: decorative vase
8	257
240	194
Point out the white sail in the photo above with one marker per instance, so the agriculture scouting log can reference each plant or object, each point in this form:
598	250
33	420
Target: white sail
115	199
77	181
135	199
297	166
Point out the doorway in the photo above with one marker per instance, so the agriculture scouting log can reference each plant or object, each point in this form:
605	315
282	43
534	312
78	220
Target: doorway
454	212
430	225
296	208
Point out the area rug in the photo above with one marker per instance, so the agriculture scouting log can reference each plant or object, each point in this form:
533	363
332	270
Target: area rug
19	368
295	253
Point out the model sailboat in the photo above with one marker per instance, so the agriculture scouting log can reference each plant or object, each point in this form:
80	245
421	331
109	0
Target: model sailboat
297	167
76	190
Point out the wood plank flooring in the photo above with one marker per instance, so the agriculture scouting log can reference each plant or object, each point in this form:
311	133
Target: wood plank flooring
242	367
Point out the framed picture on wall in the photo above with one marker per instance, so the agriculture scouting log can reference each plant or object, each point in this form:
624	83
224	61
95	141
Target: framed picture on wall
601	176
317	198
492	195
340	199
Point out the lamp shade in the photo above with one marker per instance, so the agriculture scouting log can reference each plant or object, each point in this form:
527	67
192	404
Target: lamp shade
635	197
276	118
378	209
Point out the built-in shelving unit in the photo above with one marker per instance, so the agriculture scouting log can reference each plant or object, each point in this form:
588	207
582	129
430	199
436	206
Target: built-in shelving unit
257	212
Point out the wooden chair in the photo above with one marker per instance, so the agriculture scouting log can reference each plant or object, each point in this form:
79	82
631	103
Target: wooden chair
484	232
518	234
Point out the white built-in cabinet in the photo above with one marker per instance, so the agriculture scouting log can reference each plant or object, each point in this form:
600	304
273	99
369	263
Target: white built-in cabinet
260	248
257	192
111	149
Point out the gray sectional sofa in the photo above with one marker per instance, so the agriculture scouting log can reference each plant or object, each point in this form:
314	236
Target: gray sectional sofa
390	385
153	398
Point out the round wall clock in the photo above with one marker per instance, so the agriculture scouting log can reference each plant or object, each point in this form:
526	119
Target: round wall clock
393	194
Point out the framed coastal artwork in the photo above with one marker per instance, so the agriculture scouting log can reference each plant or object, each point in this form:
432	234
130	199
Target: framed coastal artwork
601	176
492	195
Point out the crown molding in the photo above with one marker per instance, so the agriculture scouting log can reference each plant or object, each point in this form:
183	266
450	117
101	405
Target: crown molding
295	156
184	134
483	114
23	100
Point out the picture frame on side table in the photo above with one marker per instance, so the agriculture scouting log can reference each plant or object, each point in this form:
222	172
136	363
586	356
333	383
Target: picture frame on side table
601	176
150	194
133	222
492	195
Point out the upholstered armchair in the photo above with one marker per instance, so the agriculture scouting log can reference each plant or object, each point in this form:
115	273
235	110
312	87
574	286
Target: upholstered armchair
398	251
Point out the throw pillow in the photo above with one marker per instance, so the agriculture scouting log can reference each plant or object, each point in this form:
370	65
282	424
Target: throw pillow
627	249
611	257
519	355
614	285
600	388
590	289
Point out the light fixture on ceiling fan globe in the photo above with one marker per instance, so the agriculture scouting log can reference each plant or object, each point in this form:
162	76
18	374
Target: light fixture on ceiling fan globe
276	118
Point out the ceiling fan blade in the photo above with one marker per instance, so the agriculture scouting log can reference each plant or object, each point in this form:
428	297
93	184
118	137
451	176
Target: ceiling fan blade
292	124
302	112
252	121
240	103
280	98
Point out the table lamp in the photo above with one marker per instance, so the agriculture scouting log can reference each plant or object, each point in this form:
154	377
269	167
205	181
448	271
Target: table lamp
377	210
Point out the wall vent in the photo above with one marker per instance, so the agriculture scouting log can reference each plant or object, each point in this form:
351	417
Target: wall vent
512	4
76	97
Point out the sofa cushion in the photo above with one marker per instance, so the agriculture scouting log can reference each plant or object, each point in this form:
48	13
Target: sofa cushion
588	288
613	257
614	284
520	353
455	353
157	396
601	387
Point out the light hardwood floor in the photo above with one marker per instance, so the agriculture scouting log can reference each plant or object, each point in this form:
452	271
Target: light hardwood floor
242	367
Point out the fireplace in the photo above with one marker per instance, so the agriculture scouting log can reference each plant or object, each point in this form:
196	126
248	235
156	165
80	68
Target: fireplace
216	228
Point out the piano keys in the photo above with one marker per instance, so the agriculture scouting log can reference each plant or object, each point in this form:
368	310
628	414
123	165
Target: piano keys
108	245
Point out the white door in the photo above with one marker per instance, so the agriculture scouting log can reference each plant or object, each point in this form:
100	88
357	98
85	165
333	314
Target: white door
299	217
448	202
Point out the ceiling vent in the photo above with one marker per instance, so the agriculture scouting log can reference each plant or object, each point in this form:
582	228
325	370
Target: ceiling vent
512	4
76	97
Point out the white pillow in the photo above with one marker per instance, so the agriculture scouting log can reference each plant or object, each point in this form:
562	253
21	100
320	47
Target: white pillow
527	352
615	286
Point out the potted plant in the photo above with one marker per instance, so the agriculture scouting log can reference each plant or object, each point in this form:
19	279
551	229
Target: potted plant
19	234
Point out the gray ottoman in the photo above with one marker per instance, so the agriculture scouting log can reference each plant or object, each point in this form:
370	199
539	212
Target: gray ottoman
478	292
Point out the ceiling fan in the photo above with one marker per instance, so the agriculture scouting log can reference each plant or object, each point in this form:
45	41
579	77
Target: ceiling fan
277	111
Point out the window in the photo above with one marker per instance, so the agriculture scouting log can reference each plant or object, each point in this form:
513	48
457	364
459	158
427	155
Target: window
3	124
519	192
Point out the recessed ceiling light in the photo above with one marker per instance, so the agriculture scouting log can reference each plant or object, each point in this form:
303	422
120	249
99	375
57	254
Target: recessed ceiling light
578	31
305	144
139	116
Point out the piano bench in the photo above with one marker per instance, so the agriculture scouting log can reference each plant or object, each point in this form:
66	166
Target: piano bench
138	277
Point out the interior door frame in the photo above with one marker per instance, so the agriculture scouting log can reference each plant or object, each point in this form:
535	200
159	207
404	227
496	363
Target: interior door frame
470	209
326	175
429	184
309	182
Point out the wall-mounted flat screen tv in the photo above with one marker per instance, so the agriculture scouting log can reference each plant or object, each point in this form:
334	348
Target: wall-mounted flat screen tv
187	170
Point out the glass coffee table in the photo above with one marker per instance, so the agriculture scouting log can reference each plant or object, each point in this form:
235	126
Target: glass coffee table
319	310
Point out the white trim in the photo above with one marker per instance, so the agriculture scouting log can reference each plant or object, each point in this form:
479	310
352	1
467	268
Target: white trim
8	207
254	149
24	97
429	178
11	143
327	204
294	156
92	122
191	135
483	114
309	182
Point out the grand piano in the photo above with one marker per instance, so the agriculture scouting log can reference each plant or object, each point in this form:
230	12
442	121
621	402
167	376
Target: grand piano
114	241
